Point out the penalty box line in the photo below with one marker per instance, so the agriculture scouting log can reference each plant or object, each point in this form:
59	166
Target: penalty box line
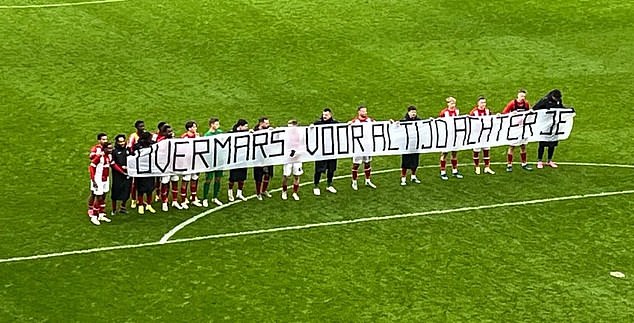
315	225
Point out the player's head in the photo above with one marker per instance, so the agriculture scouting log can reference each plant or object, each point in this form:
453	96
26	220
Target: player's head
482	102
102	137
263	123
241	125
139	125
292	123
451	102
411	112
214	123
160	125
120	140
362	111
326	114
521	94
191	126
555	95
107	147
167	131
145	139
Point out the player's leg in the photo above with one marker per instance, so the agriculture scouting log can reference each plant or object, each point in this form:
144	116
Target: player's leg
217	180
486	156
193	191
476	160
356	162
454	165
268	174
509	158
540	155
297	172
414	167
183	191
367	171
443	166
206	187
404	159
175	187
286	172
258	174
525	165
551	153
331	167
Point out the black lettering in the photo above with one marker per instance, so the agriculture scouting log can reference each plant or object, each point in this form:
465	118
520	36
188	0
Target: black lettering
226	145
561	121
445	130
357	137
195	152
501	118
530	119
485	127
146	154
405	124
457	130
261	144
431	135
389	139
339	141
472	120
513	125
323	140
176	155
377	134
237	146
553	113
275	140
308	137
167	156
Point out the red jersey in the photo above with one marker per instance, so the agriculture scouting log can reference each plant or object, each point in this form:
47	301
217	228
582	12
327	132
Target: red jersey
358	119
518	106
96	150
134	137
480	112
190	135
446	112
159	138
100	167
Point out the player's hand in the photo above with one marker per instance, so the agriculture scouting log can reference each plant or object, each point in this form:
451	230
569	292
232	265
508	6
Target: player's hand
124	167
94	184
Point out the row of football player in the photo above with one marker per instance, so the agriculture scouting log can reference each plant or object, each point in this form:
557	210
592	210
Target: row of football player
104	154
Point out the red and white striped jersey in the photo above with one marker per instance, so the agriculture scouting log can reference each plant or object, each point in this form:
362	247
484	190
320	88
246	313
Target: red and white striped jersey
480	112
100	167
96	150
190	135
446	112
357	119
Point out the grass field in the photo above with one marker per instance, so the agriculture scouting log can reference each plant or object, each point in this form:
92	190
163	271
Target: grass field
68	73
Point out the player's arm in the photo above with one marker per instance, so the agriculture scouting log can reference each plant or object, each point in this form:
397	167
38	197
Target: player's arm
509	107
117	167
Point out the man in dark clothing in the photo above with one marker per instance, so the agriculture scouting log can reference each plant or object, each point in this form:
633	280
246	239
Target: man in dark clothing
552	100
325	166
120	181
410	161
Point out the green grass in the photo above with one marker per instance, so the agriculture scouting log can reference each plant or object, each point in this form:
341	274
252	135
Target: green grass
68	73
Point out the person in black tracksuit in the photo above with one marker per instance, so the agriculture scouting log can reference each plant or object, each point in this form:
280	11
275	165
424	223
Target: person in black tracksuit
120	181
552	100
325	166
410	161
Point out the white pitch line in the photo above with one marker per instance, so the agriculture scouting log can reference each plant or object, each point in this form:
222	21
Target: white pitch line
55	5
316	225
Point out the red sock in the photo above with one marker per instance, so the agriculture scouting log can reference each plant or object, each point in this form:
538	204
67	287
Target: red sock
368	172
487	159
148	198
403	172
164	189
258	187
509	159
240	185
230	186
454	163
284	187
184	191
523	157
133	190
95	207
476	158
265	183
139	198
443	165
413	171
193	187
295	188
355	171
175	191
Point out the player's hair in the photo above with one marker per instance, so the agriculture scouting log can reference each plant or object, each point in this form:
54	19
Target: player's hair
411	107
522	90
450	99
160	125
262	119
119	136
213	120
361	107
138	122
189	124
239	123
106	144
481	97
292	122
101	134
165	127
327	110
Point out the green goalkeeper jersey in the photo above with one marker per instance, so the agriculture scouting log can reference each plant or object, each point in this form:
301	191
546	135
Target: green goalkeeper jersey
213	133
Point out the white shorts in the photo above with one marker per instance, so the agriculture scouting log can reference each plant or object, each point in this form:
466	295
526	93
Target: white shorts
477	150
519	142
102	187
167	178
293	168
189	177
361	159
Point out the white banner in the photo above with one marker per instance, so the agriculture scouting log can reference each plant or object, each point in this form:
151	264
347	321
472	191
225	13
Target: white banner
303	144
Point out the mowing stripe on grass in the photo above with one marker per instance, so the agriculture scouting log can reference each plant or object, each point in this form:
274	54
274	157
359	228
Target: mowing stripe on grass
195	218
56	5
315	225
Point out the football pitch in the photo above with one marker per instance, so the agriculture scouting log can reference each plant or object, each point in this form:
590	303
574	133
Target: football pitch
521	246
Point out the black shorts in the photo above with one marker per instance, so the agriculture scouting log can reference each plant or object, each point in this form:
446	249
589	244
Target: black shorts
410	161
238	175
259	172
548	143
322	166
120	190
144	184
